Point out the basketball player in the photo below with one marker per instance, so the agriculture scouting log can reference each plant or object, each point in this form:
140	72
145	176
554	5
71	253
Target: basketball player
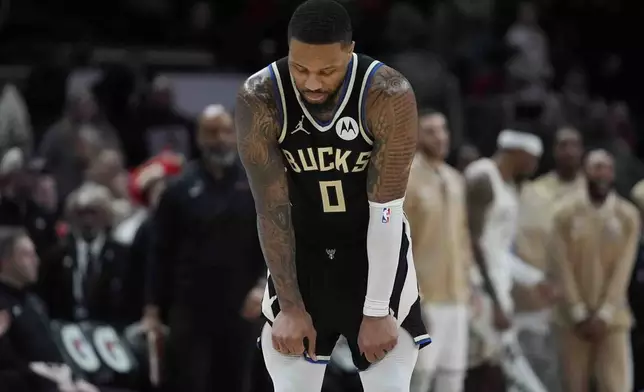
492	199
435	205
327	137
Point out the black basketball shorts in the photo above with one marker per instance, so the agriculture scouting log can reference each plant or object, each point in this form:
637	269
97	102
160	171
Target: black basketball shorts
333	283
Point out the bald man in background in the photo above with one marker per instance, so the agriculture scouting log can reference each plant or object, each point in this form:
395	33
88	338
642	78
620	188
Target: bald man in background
539	200
206	265
435	205
594	242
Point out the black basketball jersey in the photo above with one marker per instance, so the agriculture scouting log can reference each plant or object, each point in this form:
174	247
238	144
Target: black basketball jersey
327	163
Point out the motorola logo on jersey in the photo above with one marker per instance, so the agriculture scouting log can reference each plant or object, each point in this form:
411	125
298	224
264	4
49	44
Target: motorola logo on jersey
327	159
347	128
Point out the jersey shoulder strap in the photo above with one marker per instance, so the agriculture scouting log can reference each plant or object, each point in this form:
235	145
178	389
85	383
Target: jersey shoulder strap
363	68
279	75
367	67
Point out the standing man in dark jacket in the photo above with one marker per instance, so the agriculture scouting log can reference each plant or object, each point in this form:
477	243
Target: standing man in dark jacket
207	267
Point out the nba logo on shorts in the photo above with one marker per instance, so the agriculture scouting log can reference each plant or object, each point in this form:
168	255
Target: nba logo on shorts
386	214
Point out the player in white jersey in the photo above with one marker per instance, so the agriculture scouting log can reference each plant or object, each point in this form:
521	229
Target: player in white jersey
493	204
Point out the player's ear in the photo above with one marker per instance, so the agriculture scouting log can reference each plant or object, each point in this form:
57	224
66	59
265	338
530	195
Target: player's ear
348	48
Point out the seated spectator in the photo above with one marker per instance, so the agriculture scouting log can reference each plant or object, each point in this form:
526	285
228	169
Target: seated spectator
83	279
30	360
45	189
108	169
20	207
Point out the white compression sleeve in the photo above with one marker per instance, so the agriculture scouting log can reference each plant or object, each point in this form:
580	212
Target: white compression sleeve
384	239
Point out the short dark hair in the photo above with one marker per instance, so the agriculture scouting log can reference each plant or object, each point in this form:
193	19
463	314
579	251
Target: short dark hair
320	22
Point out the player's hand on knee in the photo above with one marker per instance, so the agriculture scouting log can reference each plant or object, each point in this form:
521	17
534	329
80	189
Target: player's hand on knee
289	331
378	336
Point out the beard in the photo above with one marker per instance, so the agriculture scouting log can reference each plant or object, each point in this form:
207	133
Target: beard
324	107
598	189
219	156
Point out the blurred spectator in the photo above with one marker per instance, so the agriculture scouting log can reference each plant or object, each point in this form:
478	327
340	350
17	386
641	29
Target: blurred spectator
620	124
45	189
70	144
573	104
30	360
611	128
108	169
84	278
19	203
595	240
434	85
206	265
148	183
466	154
116	93
529	69
612	81
45	93
15	126
160	124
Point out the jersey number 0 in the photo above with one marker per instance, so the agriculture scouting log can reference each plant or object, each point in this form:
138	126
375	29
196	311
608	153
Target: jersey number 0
337	205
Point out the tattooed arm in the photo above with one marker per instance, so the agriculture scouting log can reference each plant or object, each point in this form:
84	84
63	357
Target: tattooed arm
479	198
392	120
257	132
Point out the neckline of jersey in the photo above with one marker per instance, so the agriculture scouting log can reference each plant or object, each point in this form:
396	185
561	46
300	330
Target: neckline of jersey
347	87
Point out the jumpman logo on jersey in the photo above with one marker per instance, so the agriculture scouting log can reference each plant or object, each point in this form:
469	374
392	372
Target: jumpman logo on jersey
300	127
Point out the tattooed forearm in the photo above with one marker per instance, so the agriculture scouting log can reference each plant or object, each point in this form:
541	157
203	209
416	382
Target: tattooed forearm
257	132
479	198
392	118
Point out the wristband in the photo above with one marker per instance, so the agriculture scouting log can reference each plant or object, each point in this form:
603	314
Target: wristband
374	308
